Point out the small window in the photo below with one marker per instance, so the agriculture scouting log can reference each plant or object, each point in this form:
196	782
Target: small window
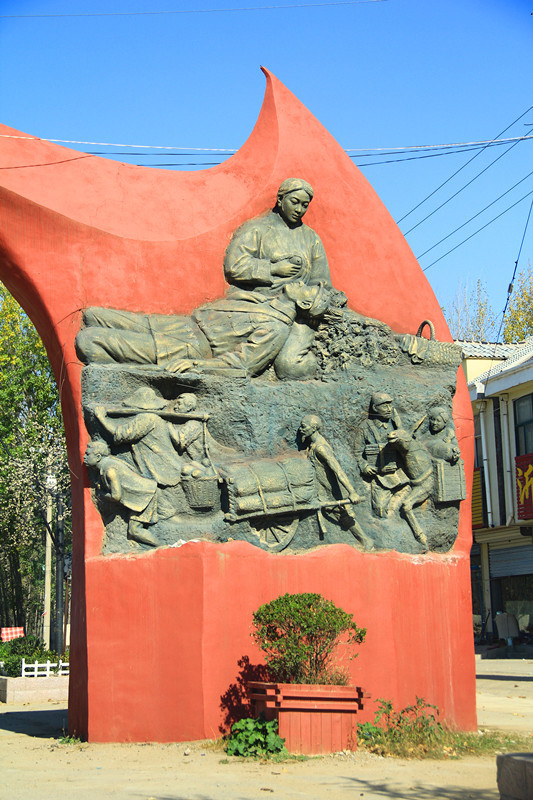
523	414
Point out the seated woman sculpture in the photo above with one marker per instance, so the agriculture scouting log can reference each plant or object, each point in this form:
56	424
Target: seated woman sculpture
279	285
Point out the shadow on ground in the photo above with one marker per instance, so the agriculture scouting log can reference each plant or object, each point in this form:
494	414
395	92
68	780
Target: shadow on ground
418	791
374	789
45	724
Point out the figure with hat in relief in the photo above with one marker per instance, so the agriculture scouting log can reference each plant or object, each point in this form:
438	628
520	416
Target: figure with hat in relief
376	457
152	438
153	441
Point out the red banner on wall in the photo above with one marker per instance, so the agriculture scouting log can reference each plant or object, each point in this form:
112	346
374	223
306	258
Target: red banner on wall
524	486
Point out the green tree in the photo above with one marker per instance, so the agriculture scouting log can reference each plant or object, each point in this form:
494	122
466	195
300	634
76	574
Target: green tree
31	442
470	316
518	323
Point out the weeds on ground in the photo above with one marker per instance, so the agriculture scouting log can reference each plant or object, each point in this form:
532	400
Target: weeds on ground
67	739
255	737
415	732
213	744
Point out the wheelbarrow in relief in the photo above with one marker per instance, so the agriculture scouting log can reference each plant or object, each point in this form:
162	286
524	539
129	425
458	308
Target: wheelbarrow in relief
274	495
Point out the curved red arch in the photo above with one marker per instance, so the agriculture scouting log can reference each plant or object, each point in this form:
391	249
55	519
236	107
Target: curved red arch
79	231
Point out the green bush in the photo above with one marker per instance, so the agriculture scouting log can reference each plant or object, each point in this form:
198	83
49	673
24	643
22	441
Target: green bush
255	737
299	634
12	666
414	728
415	732
28	647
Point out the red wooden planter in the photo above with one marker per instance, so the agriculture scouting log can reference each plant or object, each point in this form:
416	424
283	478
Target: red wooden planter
312	718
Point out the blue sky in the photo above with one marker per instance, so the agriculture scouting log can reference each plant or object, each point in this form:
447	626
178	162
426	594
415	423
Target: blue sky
383	74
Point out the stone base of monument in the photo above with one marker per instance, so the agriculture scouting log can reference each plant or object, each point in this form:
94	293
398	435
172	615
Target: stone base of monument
34	690
515	776
312	719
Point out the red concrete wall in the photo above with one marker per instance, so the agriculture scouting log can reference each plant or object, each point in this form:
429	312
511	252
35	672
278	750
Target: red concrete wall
156	637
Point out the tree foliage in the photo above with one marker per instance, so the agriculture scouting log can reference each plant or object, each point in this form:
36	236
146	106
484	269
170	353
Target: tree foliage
518	323
31	443
470	316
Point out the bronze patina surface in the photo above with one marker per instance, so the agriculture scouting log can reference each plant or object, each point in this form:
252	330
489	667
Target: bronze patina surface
275	414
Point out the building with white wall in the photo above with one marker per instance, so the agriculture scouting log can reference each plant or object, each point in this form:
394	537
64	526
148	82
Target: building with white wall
500	382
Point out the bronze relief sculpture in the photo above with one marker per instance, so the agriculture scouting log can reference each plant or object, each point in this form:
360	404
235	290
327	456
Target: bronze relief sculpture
266	415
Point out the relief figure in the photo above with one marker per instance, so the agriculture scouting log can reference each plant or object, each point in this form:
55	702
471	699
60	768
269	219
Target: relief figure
153	439
418	466
128	488
442	441
280	288
281	319
375	455
331	479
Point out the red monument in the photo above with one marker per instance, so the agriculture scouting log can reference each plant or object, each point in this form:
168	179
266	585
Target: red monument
157	634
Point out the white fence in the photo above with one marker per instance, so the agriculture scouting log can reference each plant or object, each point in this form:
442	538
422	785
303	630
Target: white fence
36	670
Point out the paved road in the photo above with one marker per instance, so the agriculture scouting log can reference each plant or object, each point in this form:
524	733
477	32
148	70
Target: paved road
504	693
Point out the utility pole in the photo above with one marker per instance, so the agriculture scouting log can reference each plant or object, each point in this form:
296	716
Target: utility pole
50	484
60	572
50	480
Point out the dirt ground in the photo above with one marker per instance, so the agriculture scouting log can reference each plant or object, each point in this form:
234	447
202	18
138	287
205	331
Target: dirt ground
34	765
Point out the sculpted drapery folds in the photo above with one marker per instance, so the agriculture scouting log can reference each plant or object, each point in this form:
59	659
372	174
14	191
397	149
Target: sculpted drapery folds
278	361
272	258
268	252
279	286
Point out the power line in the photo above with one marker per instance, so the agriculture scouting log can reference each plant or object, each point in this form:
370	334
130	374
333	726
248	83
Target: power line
117	144
360	165
48	163
394	151
362	150
463	167
511	285
524	234
468	221
443	148
435	146
182	164
167	164
227	153
152	155
416	158
462	187
190	10
476	232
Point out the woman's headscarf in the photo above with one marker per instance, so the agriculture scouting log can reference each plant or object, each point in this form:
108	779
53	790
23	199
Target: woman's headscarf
293	185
